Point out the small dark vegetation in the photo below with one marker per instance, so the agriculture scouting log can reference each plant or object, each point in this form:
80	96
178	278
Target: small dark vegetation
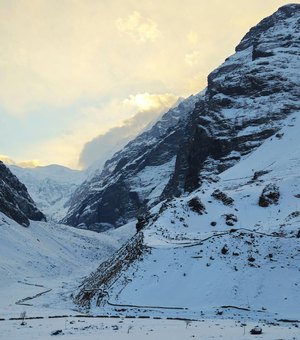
196	205
256	330
225	249
221	196
258	174
270	195
230	219
141	222
292	215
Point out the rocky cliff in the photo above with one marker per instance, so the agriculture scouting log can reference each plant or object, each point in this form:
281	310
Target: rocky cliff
15	202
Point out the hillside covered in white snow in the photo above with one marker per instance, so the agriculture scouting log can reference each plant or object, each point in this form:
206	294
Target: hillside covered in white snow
224	240
217	251
202	212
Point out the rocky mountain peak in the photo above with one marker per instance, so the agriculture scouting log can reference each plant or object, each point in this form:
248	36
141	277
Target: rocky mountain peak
247	100
279	17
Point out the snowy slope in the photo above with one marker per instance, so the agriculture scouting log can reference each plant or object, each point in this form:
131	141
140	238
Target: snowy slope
50	187
193	268
46	257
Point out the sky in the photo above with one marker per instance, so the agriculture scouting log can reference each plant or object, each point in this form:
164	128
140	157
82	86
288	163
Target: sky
73	71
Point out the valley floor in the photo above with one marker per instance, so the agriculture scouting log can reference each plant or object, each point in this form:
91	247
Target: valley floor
126	328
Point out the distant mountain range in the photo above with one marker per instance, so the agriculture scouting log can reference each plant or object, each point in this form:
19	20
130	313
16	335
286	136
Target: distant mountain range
50	187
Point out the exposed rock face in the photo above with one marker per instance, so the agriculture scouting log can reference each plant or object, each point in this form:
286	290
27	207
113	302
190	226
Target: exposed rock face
247	100
15	201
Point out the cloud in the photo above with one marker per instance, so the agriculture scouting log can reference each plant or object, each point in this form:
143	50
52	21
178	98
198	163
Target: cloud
139	28
67	66
146	101
97	120
104	146
101	148
23	164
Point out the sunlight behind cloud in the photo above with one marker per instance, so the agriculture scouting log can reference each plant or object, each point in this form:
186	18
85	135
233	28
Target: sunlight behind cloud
69	65
146	101
94	121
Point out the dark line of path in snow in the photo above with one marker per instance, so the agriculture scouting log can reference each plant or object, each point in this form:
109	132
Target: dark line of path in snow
31	284
20	302
148	307
233	230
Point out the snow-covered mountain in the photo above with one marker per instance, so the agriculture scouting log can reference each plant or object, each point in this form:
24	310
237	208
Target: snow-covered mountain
224	242
50	187
216	183
248	99
15	201
127	181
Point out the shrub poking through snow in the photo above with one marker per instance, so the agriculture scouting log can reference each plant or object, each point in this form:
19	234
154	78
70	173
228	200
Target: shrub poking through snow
224	250
256	330
221	196
270	195
196	205
230	219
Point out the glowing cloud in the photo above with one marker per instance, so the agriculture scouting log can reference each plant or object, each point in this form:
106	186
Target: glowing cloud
23	164
146	101
149	107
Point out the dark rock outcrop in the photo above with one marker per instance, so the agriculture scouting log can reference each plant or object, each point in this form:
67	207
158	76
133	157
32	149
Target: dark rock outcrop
15	201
